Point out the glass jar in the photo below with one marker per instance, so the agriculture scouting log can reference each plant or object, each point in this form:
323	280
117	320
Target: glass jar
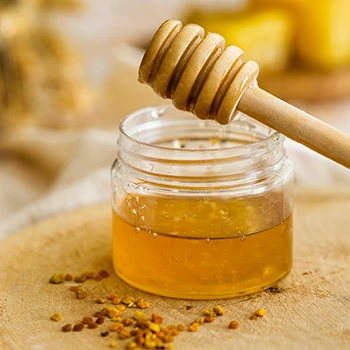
200	210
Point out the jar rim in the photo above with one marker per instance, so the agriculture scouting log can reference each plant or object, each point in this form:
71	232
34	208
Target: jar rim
257	152
158	111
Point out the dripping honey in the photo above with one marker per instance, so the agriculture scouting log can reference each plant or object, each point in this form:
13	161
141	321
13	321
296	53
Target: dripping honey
201	248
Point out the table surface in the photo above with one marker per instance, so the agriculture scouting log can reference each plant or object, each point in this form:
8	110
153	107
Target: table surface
311	311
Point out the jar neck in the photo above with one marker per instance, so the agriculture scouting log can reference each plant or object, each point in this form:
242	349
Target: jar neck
169	147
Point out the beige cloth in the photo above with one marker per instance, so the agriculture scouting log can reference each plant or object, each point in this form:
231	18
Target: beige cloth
47	172
44	172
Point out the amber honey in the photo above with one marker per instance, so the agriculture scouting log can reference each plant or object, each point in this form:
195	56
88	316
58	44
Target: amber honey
200	254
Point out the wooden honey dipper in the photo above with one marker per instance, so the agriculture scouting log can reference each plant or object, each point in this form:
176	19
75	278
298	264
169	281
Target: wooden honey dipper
200	76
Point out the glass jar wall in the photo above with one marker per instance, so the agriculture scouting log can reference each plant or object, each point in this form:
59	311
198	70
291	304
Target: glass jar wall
200	210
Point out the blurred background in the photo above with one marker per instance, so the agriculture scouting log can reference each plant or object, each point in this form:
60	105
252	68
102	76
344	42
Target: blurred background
68	75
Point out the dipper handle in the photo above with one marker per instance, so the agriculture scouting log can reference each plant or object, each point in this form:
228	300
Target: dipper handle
203	77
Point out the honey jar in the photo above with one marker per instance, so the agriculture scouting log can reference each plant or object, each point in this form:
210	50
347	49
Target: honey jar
200	210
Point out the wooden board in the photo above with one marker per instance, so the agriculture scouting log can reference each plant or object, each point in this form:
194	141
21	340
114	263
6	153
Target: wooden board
312	311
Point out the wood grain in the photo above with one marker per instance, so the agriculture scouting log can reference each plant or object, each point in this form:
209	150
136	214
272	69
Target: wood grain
296	124
235	87
311	312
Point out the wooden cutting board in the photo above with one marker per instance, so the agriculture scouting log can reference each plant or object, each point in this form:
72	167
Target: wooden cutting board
312	310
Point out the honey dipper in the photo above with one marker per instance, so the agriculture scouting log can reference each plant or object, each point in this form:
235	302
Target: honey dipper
200	76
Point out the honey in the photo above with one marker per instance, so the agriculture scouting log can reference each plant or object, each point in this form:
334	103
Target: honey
205	249
200	211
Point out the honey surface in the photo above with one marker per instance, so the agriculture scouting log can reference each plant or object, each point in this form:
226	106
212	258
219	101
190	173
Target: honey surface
189	258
